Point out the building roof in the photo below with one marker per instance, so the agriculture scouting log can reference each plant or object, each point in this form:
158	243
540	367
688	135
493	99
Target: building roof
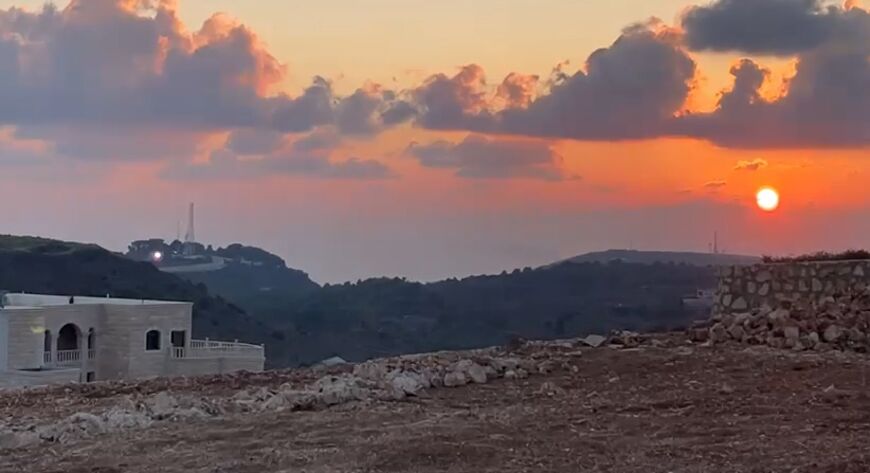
32	301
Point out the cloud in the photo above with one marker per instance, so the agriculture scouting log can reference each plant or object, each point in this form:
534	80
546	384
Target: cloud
224	164
628	90
760	26
479	157
753	165
715	185
825	104
253	141
133	66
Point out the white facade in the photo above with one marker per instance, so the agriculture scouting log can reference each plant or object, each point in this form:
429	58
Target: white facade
51	339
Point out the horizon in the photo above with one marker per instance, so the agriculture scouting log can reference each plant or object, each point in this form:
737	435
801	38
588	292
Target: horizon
426	141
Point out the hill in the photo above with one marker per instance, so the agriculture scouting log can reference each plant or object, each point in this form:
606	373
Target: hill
676	257
38	265
389	316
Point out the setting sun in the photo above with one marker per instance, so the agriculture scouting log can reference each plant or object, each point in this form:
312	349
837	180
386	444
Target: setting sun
768	199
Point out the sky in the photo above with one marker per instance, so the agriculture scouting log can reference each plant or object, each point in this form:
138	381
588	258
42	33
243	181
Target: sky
437	139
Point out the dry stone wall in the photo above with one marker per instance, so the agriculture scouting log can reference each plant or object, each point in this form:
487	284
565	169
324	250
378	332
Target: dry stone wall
802	285
801	306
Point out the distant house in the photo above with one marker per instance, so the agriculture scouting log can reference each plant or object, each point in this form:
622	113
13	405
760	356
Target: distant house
57	339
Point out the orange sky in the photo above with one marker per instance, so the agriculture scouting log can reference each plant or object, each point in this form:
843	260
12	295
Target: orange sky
429	223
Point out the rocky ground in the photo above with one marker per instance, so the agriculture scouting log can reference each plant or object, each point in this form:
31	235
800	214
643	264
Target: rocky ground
653	404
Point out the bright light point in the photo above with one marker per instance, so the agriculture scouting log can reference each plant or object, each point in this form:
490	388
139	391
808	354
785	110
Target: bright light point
768	199
157	256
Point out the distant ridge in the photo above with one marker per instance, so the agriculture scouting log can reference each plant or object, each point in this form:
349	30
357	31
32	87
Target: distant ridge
651	257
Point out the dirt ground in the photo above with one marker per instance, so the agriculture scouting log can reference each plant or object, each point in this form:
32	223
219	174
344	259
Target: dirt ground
677	409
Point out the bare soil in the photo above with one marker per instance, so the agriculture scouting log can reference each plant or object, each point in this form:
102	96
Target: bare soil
680	408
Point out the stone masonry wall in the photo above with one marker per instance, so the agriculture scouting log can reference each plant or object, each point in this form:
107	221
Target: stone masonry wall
800	306
804	285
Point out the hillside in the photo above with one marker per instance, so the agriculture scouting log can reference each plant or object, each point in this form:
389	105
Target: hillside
38	265
650	257
390	316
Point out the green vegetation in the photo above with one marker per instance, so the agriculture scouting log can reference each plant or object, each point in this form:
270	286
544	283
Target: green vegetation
387	316
820	256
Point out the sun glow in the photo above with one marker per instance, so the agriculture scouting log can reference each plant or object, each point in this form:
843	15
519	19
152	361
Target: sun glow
768	199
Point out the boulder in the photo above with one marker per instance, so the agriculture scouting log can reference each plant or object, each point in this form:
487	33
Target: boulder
455	379
832	333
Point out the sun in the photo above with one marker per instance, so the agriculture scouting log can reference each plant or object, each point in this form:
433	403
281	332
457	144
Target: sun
767	198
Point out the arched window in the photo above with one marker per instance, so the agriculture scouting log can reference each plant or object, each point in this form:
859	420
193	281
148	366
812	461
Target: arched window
68	338
152	340
47	343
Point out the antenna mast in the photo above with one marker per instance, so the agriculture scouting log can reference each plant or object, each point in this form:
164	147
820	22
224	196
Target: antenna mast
190	236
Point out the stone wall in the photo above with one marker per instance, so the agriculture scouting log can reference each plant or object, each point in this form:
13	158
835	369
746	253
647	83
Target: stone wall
801	285
800	306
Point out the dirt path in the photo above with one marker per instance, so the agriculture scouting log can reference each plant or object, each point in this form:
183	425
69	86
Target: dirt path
645	410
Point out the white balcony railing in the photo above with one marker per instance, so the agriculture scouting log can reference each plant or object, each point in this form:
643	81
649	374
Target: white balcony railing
68	358
46	358
206	349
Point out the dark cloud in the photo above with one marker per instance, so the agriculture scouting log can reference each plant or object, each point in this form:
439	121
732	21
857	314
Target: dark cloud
323	139
451	103
760	26
249	141
478	157
224	164
132	65
628	90
715	185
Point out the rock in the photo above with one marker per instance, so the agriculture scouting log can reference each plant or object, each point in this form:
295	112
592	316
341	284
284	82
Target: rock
162	405
17	439
503	365
736	331
122	419
792	334
763	276
455	379
814	339
699	334
408	384
859	271
832	333
594	341
370	370
718	333
764	290
333	390
550	389
546	367
739	304
477	374
817	285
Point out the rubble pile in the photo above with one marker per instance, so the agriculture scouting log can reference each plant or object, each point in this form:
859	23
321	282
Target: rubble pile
144	404
840	321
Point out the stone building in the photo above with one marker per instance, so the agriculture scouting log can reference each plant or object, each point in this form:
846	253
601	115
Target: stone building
56	339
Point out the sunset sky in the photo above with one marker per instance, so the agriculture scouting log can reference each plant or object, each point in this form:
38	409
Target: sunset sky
437	139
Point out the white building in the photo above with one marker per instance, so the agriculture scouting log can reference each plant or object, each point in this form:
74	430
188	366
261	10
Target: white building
57	339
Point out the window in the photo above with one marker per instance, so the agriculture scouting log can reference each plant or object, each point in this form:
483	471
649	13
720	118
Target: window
178	338
152	340
91	340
